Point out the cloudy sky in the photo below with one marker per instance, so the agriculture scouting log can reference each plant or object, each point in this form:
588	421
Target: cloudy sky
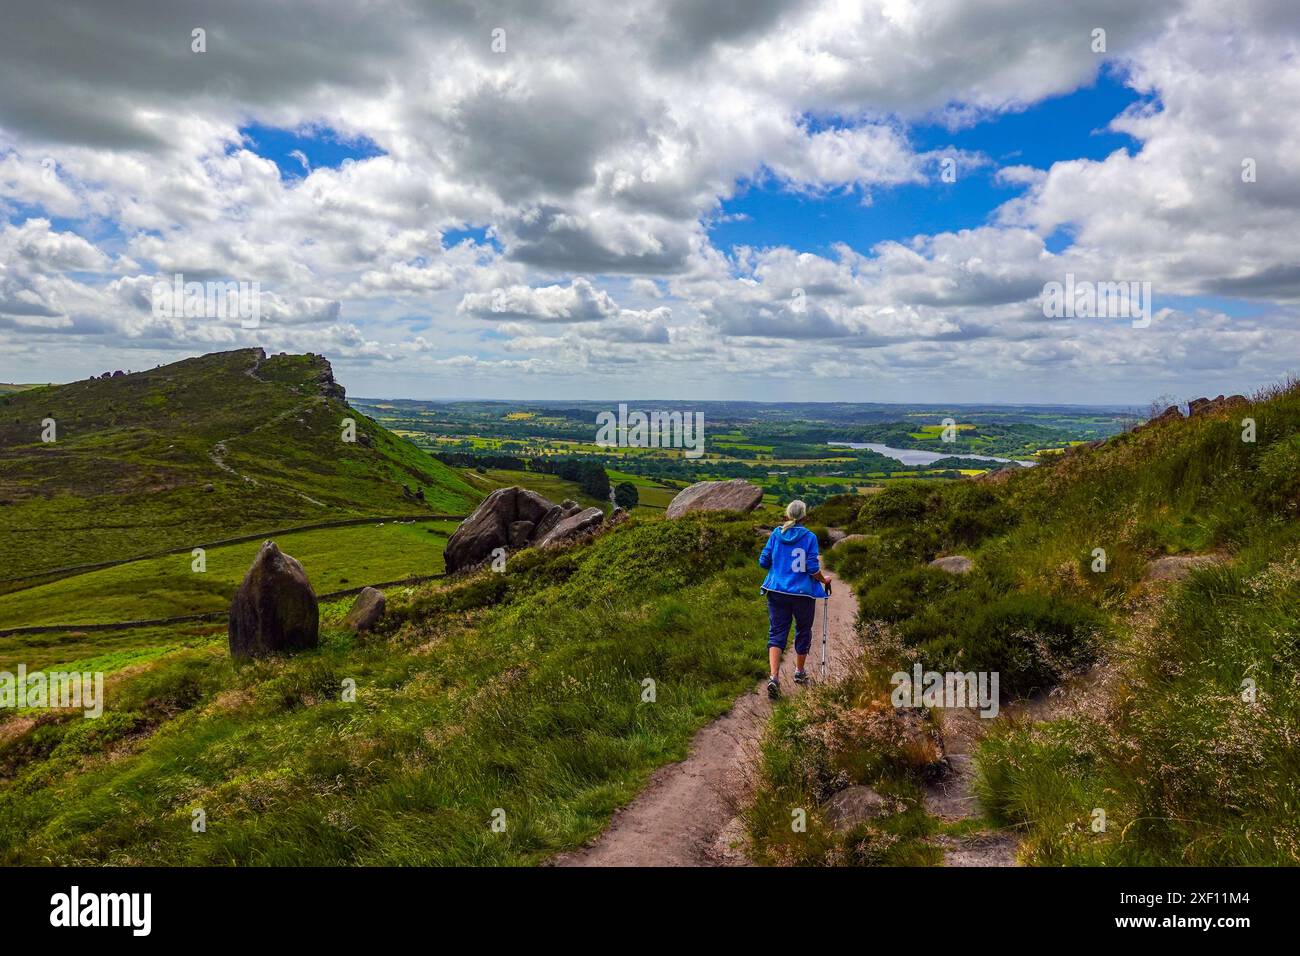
762	199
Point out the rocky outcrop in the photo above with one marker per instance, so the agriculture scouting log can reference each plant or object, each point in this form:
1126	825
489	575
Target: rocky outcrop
1211	406
835	535
849	537
274	610
954	564
325	382
516	518
734	495
1170	414
366	610
489	527
1197	408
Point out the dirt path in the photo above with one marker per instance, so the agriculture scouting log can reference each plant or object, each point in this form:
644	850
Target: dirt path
685	816
952	799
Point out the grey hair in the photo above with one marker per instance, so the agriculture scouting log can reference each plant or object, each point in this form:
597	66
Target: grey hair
794	511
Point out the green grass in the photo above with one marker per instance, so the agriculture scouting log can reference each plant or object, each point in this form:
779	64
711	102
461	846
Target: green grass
99	650
1187	769
520	691
334	559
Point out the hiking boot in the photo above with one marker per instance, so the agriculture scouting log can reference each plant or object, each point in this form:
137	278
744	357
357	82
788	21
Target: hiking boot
801	677
773	688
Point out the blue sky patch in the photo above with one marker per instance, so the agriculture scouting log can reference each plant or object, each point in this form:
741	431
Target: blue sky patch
768	213
476	234
297	152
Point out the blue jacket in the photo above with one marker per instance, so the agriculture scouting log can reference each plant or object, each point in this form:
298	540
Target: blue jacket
791	558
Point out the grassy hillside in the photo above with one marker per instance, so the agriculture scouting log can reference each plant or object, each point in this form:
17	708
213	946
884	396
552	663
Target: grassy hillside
204	449
169	586
522	692
1153	721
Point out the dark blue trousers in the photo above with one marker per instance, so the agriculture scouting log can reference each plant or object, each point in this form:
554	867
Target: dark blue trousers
781	608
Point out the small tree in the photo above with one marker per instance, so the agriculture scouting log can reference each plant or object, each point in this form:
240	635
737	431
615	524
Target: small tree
626	496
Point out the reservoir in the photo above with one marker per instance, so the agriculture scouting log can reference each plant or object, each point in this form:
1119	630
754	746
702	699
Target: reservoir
915	456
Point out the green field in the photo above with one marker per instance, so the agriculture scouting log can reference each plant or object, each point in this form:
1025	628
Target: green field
334	558
652	494
106	651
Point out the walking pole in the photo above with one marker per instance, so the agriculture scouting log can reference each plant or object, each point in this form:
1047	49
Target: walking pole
826	613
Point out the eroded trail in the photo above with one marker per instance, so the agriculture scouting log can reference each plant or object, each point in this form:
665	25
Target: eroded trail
685	814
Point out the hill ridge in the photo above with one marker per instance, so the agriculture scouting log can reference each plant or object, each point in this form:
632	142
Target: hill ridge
210	447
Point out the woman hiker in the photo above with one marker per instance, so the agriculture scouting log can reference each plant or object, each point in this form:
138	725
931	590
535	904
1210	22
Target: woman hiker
793	585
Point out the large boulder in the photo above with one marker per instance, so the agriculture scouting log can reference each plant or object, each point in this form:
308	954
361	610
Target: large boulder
515	518
488	528
734	495
574	526
366	610
274	610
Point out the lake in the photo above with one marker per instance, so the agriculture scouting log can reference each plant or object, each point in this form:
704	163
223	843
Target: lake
915	456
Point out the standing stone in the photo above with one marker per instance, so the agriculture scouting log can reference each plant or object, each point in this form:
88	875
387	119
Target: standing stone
274	610
366	610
